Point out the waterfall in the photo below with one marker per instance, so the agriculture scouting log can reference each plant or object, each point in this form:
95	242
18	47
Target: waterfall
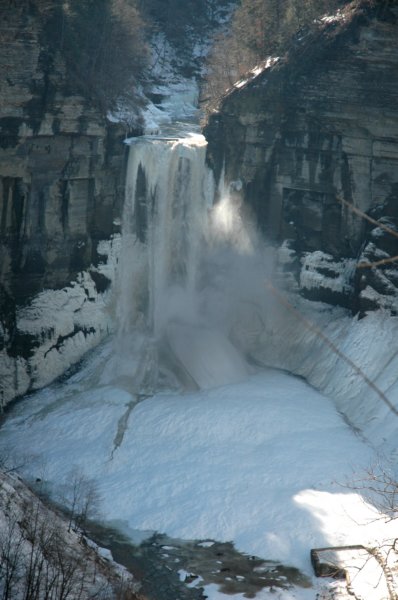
168	192
164	298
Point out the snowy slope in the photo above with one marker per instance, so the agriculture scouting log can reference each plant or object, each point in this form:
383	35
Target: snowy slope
286	341
264	462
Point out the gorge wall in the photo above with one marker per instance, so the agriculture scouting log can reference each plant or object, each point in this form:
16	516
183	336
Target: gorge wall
312	127
63	162
62	169
317	125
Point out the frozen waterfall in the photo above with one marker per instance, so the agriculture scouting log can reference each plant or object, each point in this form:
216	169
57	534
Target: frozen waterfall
168	192
163	295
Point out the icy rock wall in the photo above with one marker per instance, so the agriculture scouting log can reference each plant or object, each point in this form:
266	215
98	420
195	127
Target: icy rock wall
56	327
62	169
319	124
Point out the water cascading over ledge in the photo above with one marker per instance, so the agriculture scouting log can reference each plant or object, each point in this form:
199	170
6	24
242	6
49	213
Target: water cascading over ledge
166	227
168	192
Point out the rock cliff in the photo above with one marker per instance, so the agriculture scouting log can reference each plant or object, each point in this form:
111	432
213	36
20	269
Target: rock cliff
313	134
61	191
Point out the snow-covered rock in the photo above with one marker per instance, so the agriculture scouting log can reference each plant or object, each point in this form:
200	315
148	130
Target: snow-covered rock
57	327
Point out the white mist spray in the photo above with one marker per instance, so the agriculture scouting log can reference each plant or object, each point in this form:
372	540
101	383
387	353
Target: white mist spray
235	264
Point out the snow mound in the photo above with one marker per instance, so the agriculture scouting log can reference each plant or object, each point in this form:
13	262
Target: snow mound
206	354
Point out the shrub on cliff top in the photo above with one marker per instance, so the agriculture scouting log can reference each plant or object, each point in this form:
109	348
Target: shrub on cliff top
102	43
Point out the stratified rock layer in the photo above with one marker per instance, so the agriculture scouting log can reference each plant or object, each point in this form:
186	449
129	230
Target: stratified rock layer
319	125
61	187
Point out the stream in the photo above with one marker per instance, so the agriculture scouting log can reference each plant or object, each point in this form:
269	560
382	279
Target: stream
174	569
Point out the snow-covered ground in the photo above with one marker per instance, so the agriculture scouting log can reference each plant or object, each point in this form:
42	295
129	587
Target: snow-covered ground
264	462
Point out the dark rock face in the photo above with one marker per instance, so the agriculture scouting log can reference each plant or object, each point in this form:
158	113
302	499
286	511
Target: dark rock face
62	170
318	125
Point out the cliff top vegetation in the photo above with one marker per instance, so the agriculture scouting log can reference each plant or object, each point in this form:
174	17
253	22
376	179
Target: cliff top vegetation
103	45
260	29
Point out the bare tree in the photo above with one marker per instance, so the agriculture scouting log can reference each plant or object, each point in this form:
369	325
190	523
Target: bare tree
11	542
379	485
101	43
79	496
41	559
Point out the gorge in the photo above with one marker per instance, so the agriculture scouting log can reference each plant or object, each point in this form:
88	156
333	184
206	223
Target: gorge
221	270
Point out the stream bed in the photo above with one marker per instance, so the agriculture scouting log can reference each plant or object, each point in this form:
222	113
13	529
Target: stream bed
175	569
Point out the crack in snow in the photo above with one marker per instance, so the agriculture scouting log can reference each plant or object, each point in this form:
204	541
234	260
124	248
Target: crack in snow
122	423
